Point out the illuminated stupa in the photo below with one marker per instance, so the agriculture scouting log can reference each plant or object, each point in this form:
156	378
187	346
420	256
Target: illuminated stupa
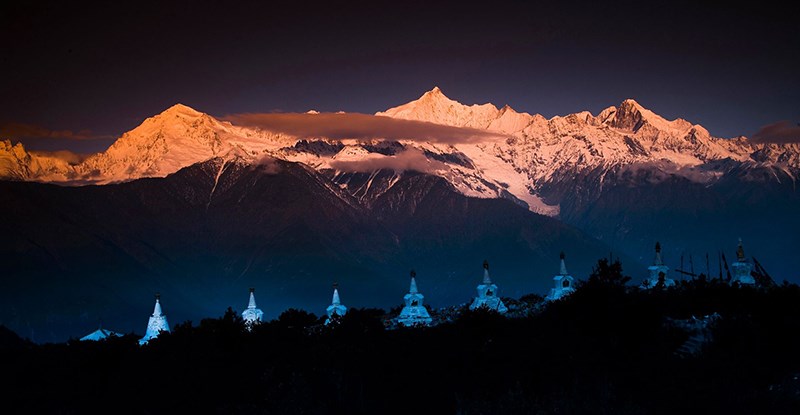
658	273
100	334
252	315
156	324
563	283
414	313
336	310
487	294
741	268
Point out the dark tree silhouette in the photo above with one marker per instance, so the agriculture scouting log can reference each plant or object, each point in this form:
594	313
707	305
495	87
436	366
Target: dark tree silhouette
607	349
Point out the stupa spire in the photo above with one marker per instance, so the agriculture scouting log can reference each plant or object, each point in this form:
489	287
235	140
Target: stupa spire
563	269
486	278
740	251
413	288
335	300
157	308
658	260
658	277
742	270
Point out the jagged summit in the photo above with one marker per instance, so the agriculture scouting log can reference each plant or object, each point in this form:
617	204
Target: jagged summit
434	106
17	163
178	113
17	149
628	115
632	103
180	108
632	116
434	92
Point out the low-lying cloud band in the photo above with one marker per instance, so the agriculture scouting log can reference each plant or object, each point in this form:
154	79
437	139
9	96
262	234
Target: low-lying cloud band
781	132
20	130
410	159
360	126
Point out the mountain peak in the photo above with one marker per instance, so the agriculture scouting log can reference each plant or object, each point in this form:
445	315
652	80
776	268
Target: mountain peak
16	149
433	106
507	108
434	94
182	110
176	115
630	102
630	115
436	91
7	145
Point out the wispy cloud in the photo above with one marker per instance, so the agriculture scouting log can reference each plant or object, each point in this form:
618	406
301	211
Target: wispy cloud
410	159
70	157
360	126
268	165
781	132
21	130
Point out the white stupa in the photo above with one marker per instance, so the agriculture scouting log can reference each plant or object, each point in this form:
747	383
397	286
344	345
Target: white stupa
336	310
100	334
562	283
156	324
658	273
252	315
487	294
414	313
741	268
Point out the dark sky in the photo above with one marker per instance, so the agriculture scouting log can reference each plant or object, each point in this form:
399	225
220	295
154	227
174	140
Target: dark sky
75	73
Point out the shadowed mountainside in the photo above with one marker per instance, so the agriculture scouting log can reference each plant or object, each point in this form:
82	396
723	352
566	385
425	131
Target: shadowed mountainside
76	255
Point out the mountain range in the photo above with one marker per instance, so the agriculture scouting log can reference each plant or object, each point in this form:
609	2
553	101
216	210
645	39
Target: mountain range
200	207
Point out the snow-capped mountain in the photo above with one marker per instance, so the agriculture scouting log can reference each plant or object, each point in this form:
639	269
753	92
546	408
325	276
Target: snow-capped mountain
548	159
627	134
433	106
529	159
163	144
18	164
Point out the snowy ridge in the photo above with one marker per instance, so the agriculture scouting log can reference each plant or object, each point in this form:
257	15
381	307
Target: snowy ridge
532	152
433	106
539	151
18	164
163	144
625	134
176	138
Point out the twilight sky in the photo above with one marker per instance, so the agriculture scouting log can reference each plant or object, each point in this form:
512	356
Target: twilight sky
75	77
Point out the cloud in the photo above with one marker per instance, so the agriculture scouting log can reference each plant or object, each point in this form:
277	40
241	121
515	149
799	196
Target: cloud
410	159
360	126
20	130
268	165
66	155
781	132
